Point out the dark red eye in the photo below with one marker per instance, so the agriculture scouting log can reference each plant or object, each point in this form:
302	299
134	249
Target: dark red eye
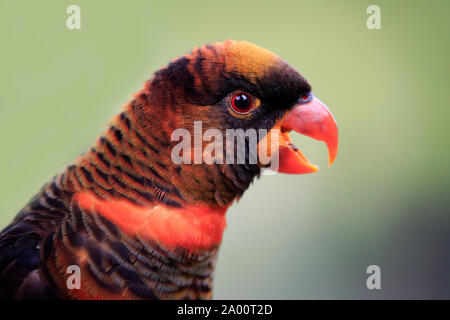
241	102
305	98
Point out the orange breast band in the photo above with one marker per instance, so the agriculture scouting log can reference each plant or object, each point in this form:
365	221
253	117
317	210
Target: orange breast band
191	228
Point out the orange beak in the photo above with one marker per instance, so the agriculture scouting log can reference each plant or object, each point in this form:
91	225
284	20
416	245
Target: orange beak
312	119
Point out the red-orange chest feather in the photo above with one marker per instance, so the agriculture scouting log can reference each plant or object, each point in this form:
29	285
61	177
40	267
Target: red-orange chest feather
191	228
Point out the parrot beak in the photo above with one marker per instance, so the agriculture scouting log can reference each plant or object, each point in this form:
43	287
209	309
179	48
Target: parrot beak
312	119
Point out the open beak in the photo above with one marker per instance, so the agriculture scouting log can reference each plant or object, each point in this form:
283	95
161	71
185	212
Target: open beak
312	119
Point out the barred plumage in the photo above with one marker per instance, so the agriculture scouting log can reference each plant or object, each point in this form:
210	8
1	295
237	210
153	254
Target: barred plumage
121	266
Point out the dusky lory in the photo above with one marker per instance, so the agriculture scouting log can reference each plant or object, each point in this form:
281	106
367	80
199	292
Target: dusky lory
136	223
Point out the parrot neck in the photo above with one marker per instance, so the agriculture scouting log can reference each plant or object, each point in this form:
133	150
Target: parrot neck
132	160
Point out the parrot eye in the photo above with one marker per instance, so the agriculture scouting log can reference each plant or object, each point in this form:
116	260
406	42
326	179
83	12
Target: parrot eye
241	102
305	98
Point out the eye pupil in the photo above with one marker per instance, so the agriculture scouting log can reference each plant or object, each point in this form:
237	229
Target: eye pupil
241	102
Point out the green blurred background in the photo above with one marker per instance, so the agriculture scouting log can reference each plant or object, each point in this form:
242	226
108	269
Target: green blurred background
386	199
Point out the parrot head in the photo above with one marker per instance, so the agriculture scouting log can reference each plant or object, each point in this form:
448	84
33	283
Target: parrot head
233	85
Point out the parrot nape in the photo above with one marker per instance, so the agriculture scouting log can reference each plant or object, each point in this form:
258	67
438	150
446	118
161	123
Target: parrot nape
135	223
